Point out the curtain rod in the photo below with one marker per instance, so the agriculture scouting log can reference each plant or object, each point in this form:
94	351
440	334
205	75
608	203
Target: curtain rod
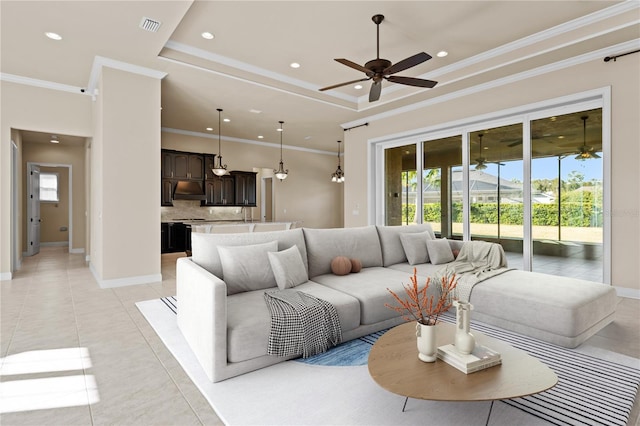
608	58
354	127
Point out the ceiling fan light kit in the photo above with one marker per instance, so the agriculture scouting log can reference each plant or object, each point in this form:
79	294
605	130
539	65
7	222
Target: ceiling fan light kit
338	175
281	173
382	69
218	168
585	152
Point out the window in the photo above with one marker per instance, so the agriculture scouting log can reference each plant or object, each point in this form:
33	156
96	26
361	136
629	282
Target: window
49	187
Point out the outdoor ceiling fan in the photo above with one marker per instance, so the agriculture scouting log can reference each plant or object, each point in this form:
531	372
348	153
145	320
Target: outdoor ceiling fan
585	152
382	69
480	161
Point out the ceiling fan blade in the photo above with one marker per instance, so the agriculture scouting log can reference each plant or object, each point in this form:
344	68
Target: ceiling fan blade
404	64
411	81
374	93
353	65
344	84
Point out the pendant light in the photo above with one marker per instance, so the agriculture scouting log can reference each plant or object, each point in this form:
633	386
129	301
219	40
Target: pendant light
586	152
281	173
218	168
338	176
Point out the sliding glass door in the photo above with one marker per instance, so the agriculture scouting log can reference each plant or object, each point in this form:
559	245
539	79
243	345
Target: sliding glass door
470	184
566	194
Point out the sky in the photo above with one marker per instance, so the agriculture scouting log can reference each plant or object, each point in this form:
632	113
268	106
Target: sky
547	168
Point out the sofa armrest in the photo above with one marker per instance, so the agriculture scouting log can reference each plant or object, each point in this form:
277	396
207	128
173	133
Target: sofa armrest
202	314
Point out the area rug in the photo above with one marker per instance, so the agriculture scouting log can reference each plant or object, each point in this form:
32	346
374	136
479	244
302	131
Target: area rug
596	387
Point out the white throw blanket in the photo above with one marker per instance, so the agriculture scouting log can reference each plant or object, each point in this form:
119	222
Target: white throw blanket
477	261
301	324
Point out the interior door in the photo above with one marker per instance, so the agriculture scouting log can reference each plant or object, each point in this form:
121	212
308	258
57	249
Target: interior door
33	211
267	199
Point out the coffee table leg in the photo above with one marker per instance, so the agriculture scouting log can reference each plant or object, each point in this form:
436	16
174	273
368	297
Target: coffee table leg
489	415
405	403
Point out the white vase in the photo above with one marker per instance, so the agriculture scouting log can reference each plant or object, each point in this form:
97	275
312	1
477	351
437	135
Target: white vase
464	340
426	335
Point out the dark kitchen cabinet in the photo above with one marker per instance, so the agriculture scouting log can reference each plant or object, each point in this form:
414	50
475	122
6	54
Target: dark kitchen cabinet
173	237
245	188
182	165
220	191
168	187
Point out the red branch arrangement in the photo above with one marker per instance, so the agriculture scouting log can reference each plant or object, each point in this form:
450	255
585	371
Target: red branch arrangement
420	307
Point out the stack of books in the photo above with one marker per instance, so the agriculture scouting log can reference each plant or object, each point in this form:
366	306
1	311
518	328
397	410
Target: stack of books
479	359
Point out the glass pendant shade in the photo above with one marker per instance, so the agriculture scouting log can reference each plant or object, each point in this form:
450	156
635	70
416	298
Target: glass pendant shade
338	175
281	173
218	168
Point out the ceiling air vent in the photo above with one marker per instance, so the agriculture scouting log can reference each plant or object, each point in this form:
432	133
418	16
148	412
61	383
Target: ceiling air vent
149	24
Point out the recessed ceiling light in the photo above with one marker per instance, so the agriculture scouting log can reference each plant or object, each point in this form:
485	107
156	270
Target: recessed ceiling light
486	147
53	36
306	138
207	35
442	54
560	137
260	137
358	86
294	65
210	129
255	111
226	120
54	139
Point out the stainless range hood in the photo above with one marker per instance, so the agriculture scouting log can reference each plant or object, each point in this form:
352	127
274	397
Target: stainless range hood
189	190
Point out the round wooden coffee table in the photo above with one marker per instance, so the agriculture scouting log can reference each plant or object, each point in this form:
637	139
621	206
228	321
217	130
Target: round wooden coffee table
394	365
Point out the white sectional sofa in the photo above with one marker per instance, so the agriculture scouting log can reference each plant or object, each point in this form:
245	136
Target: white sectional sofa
227	326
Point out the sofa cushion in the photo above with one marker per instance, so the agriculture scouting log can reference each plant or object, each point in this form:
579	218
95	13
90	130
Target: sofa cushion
288	268
249	321
247	268
205	246
415	246
370	288
440	251
392	251
325	244
423	269
557	309
340	265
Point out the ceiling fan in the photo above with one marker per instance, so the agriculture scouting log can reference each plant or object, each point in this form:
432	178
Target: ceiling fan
585	152
379	69
480	161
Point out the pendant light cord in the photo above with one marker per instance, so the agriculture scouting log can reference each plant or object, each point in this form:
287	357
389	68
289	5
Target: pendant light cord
219	131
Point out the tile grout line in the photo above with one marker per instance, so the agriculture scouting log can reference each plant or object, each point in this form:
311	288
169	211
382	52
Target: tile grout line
158	358
84	370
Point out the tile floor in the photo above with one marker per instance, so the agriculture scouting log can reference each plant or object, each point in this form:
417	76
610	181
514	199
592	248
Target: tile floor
60	331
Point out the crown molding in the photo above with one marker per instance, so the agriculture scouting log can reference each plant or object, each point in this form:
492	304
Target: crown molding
576	60
244	141
101	61
12	78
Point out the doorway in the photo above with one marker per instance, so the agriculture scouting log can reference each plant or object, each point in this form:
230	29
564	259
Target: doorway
57	214
266	204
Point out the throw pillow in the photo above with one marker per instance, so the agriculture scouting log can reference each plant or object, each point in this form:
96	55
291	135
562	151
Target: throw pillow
415	247
247	268
356	266
340	265
440	251
288	268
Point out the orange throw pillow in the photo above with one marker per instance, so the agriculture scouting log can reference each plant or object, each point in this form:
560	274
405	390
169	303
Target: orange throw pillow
340	265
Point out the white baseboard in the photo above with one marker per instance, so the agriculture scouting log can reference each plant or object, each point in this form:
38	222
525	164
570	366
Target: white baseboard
630	293
76	250
123	282
54	244
5	276
87	258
